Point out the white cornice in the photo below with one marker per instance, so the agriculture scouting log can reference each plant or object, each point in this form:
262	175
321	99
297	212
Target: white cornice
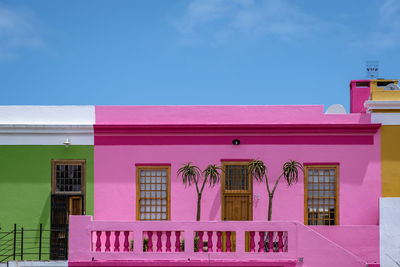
373	104
28	134
48	128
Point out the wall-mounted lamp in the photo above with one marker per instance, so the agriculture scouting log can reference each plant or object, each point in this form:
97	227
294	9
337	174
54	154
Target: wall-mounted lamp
236	142
67	143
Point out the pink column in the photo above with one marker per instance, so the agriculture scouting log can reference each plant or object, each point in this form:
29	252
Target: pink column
219	241
116	243
261	244
159	243
108	233
98	241
126	241
271	242
168	243
209	241
280	242
228	241
177	241
201	244
150	242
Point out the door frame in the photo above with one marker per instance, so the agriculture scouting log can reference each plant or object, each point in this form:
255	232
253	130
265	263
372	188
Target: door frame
250	192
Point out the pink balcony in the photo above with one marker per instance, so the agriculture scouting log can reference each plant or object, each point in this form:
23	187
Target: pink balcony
189	243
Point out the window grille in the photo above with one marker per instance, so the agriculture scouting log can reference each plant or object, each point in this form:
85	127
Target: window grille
153	191
321	201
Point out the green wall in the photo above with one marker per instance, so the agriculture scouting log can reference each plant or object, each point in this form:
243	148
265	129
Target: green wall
25	183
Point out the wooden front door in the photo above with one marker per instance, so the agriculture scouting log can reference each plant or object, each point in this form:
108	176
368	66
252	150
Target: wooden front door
236	192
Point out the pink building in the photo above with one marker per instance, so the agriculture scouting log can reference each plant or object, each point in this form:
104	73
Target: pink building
145	216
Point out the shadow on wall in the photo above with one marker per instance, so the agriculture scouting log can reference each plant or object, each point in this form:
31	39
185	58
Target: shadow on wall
216	206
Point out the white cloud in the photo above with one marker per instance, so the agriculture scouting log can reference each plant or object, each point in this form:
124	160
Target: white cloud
218	20
18	30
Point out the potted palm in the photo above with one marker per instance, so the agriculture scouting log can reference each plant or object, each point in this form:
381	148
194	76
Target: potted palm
192	174
290	173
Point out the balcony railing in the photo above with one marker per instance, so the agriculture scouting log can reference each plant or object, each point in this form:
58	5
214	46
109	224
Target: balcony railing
170	240
192	243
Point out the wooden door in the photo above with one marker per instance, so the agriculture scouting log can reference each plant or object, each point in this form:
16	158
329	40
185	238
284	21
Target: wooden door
236	192
237	195
75	205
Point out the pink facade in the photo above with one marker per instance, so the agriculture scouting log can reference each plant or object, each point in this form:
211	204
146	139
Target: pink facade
129	137
125	136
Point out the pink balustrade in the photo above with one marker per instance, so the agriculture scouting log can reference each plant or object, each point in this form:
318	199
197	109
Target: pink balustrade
268	241
162	241
108	240
112	241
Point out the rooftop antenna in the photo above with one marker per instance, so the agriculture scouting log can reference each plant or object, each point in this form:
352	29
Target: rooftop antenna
372	68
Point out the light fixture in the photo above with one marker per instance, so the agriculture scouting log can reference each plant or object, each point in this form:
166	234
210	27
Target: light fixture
67	143
236	142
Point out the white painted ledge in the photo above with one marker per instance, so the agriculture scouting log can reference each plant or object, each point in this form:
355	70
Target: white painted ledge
46	125
371	105
43	115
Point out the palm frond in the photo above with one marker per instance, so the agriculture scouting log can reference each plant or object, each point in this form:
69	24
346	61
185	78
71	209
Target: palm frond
291	171
212	172
257	169
189	173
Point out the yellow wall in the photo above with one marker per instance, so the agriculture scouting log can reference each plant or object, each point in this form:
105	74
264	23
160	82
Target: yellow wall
390	147
379	94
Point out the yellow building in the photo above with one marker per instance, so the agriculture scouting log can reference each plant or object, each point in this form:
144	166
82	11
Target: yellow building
384	106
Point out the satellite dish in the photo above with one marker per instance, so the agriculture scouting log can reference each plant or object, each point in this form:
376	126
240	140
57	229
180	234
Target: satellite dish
391	87
336	109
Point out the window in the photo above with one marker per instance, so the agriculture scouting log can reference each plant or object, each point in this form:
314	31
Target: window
68	177
236	177
321	195
153	193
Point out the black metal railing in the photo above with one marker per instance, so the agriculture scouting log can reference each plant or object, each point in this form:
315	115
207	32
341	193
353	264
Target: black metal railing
34	244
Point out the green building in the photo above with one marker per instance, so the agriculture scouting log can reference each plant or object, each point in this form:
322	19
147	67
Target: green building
46	173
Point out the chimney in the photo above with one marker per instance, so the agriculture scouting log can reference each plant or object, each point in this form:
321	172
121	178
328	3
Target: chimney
360	91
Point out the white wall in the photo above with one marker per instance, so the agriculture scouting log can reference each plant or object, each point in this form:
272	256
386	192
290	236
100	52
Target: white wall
389	231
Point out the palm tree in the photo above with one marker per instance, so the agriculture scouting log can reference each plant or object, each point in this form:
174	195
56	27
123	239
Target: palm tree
290	172
192	174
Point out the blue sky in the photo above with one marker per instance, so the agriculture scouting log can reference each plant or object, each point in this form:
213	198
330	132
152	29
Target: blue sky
195	52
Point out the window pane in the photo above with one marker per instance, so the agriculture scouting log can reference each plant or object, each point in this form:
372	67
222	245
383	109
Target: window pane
321	195
68	178
154	187
236	177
